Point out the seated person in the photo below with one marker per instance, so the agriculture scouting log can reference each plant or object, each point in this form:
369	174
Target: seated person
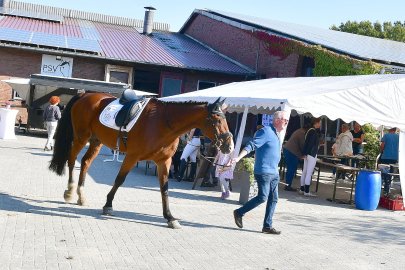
343	146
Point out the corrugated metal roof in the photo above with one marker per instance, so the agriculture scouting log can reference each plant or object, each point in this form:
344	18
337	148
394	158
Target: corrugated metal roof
363	47
50	11
127	44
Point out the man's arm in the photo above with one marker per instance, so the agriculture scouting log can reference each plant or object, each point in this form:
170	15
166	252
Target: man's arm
382	147
241	155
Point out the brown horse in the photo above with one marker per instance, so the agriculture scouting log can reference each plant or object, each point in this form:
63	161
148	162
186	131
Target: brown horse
153	137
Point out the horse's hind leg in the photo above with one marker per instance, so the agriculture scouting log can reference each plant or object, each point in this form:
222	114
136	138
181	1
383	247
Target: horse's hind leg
77	145
89	156
127	164
163	173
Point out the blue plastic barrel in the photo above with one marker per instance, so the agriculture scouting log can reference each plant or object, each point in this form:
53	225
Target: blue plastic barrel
368	190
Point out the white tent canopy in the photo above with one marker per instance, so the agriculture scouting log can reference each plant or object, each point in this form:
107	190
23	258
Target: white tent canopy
376	99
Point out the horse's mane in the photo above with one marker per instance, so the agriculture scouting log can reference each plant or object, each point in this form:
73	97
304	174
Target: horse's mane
183	102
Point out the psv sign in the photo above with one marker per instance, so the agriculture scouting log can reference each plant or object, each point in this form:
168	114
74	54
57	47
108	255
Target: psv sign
56	66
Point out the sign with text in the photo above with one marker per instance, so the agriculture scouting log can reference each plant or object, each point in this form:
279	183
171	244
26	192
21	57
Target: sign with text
56	65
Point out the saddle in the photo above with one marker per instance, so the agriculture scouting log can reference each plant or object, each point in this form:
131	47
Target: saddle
128	111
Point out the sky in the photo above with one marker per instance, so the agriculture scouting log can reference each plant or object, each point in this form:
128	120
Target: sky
320	13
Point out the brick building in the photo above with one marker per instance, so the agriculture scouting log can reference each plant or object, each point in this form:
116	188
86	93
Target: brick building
212	48
37	39
280	49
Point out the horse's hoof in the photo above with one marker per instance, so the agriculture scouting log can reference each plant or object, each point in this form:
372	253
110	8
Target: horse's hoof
174	224
107	211
82	202
67	195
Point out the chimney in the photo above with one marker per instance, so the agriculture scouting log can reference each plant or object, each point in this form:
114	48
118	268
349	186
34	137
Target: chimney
4	3
148	21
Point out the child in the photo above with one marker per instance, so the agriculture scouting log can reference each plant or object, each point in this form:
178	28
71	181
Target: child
224	171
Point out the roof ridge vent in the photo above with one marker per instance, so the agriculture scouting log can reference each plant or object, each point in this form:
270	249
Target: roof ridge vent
90	16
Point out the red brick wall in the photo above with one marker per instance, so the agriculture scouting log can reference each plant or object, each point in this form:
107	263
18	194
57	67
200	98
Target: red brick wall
21	63
241	46
87	68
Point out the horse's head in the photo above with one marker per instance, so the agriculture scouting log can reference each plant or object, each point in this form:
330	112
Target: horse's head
216	127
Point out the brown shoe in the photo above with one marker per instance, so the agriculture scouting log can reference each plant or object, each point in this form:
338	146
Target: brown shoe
238	219
270	231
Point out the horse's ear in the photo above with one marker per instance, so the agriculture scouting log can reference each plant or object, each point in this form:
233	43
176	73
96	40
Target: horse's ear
222	102
213	107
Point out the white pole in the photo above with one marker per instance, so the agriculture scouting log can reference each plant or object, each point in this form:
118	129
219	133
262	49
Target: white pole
401	161
238	143
325	146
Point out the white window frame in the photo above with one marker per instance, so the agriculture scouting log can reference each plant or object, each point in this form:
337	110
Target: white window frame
124	69
15	95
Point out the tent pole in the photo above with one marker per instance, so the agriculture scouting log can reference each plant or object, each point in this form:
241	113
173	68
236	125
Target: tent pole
401	161
241	132
237	124
325	145
337	127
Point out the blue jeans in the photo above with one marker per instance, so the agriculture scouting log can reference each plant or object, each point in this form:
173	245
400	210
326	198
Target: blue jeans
291	161
267	190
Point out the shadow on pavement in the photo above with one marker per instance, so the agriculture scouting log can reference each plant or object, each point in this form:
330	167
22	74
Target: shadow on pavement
14	204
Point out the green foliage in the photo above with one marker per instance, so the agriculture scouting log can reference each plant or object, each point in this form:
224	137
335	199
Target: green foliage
327	63
387	30
372	139
247	165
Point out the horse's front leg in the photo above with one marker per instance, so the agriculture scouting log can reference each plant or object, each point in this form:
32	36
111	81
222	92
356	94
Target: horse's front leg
127	164
163	173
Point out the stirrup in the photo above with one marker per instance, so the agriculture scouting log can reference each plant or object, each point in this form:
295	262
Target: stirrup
116	155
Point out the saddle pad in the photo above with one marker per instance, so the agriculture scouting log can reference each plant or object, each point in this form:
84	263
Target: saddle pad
107	116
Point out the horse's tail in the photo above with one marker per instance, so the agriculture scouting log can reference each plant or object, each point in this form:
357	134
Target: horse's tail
63	139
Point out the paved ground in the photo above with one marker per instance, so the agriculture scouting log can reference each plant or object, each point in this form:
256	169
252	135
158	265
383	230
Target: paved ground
39	231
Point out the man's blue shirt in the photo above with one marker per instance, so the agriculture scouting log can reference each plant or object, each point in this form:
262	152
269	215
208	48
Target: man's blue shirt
268	152
391	146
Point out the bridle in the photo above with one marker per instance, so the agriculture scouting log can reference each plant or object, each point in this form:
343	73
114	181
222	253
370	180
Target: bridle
219	138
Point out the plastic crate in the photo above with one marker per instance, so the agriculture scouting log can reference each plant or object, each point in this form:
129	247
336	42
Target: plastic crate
392	204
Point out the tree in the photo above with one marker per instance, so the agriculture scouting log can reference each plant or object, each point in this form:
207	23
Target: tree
387	30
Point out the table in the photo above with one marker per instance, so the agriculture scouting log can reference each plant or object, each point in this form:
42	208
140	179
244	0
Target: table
339	168
7	123
337	159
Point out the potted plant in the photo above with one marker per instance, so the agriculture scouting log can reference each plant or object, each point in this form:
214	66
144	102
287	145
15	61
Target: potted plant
248	186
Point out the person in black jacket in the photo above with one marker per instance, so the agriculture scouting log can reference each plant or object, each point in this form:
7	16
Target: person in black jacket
310	151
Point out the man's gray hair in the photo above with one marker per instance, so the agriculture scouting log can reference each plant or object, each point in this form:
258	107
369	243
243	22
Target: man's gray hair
278	115
345	126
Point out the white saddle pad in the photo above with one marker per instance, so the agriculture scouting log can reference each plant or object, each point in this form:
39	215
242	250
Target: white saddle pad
107	116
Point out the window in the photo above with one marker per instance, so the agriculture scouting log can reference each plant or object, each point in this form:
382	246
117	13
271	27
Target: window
308	65
15	95
118	74
171	86
147	81
204	85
